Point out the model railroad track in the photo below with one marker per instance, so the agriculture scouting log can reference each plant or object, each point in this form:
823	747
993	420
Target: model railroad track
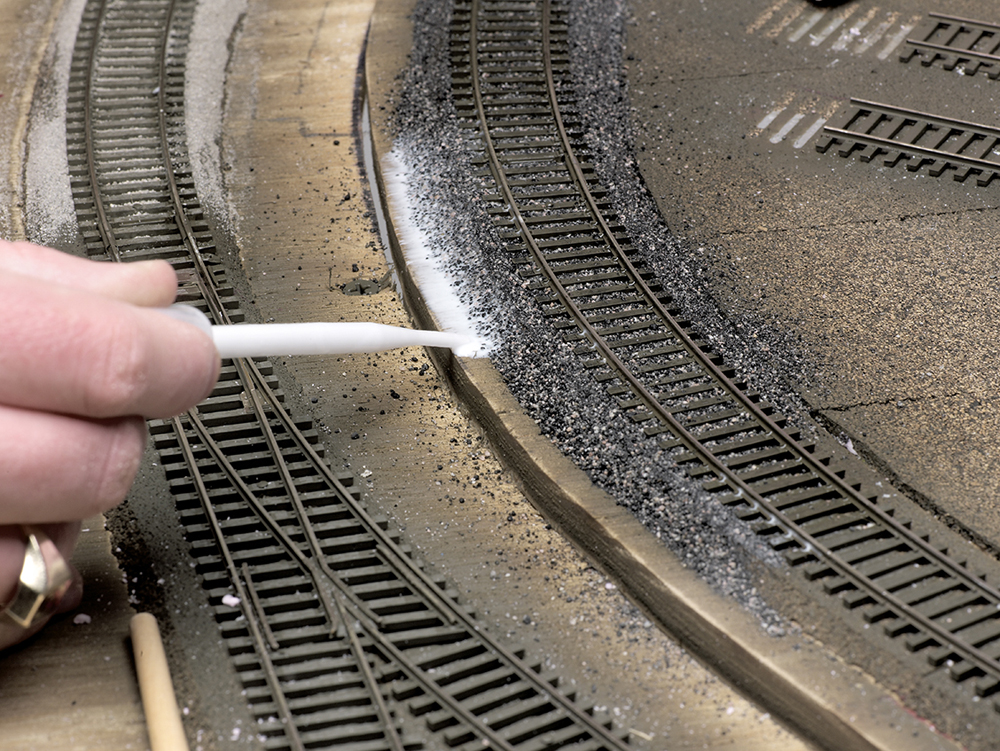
340	638
510	65
956	43
918	140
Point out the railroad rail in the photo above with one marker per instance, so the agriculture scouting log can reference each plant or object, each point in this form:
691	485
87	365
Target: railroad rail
957	43
340	638
919	140
514	102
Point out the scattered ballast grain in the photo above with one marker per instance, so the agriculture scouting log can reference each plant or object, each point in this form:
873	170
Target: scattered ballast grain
550	382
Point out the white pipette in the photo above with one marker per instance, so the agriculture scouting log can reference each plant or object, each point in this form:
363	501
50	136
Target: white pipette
272	339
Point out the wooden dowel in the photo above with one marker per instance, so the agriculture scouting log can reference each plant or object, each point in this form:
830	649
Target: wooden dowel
163	718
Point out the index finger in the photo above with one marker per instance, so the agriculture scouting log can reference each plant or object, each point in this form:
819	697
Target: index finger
146	283
83	354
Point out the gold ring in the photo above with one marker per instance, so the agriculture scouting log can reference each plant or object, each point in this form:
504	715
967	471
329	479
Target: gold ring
45	578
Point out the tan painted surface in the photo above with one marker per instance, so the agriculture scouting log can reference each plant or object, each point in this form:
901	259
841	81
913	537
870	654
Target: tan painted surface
300	219
72	687
24	29
303	232
839	708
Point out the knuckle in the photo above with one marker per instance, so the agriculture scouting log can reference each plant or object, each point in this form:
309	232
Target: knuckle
116	469
120	371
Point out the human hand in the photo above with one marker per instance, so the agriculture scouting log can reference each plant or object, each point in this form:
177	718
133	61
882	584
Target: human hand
83	361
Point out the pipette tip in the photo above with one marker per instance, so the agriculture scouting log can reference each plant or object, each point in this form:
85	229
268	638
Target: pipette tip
274	339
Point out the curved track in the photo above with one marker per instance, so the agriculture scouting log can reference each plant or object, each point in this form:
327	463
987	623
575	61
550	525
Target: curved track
340	638
510	87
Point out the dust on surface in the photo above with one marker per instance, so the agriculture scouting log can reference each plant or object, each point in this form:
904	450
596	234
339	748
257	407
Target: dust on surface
305	228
